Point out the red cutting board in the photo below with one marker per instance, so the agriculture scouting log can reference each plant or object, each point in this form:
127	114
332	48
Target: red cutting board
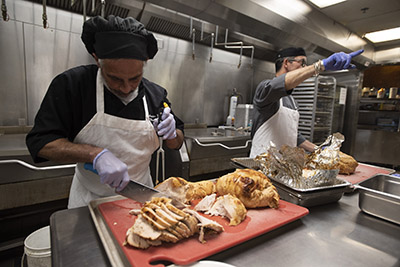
363	172
258	221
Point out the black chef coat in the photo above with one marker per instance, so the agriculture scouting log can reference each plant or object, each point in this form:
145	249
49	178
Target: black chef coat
70	103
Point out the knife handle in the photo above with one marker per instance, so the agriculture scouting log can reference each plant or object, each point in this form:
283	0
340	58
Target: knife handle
89	167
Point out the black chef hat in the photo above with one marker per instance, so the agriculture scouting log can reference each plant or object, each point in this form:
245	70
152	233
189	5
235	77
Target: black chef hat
116	37
290	52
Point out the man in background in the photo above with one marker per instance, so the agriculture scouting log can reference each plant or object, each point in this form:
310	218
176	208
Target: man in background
275	117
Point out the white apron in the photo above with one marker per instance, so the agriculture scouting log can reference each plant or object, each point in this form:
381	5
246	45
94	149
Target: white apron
131	141
281	129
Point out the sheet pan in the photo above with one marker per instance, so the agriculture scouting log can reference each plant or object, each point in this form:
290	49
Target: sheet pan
112	220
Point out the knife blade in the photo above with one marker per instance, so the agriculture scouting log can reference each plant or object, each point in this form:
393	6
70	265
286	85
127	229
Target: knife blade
142	193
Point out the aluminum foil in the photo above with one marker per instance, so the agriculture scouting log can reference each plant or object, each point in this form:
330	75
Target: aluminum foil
295	168
326	156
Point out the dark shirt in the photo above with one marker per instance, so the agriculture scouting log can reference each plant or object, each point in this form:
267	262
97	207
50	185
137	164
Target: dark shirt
266	102
70	103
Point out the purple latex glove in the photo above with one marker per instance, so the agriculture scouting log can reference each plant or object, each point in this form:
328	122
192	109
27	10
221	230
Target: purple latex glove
111	170
340	61
166	128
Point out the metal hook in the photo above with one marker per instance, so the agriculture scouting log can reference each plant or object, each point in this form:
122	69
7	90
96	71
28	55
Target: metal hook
44	16
84	10
234	45
212	45
103	6
6	17
193	42
93	5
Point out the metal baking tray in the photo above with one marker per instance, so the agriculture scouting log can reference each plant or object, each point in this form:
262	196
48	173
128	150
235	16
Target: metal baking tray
313	196
380	197
304	197
115	255
111	221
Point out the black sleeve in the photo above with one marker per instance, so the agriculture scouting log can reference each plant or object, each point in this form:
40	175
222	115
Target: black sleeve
269	92
67	106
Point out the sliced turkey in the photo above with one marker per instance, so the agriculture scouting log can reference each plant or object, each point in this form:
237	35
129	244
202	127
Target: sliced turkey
230	207
160	221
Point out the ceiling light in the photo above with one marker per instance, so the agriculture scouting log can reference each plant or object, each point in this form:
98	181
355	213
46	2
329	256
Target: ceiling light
325	3
295	10
384	35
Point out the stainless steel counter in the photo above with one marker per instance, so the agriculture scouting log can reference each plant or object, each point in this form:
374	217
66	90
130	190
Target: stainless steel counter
22	182
16	164
336	234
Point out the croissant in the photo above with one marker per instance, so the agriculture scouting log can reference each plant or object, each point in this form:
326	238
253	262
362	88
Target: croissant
252	187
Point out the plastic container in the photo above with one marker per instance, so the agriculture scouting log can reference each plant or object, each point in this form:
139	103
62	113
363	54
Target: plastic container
37	248
372	92
393	92
243	115
381	93
365	92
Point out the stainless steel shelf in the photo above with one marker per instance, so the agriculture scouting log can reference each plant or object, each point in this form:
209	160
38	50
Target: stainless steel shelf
378	111
378	100
325	96
315	99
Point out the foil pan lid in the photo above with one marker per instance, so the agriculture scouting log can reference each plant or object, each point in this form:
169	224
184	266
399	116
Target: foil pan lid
295	168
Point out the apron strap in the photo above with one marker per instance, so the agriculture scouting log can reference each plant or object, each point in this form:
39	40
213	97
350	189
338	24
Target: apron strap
99	92
146	109
291	100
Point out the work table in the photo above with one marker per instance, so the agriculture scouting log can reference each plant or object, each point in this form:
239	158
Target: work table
336	234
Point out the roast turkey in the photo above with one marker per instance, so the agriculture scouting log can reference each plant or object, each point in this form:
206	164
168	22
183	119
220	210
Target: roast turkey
206	203
347	164
185	191
225	206
252	187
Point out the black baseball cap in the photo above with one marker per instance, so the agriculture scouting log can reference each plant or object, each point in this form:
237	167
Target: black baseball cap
290	52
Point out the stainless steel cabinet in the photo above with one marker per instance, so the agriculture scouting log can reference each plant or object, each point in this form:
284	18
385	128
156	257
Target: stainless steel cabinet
315	98
378	131
379	114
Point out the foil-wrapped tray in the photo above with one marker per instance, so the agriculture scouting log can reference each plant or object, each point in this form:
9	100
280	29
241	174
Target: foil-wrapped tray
306	197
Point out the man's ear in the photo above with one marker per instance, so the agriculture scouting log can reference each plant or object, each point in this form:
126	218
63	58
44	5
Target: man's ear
97	59
285	62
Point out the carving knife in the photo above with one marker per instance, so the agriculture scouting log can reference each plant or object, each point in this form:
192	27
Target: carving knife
140	192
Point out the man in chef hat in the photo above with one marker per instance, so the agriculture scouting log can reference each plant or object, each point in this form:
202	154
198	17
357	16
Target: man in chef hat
275	117
98	116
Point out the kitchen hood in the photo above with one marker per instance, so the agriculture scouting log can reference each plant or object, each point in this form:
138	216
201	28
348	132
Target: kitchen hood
267	26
